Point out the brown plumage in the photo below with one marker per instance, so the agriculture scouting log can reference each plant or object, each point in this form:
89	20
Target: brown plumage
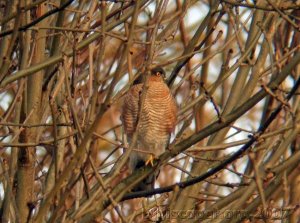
157	121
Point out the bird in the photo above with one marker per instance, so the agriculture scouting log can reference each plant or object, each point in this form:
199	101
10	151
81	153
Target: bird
157	120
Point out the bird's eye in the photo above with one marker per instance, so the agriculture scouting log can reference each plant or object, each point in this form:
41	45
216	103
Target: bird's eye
158	74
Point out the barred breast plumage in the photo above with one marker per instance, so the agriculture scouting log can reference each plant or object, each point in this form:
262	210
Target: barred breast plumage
157	121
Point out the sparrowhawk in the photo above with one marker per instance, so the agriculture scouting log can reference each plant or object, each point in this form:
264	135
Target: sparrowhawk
157	120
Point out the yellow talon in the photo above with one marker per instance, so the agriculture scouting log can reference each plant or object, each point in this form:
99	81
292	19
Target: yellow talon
150	160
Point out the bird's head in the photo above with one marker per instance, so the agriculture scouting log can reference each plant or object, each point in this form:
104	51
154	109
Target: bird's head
158	74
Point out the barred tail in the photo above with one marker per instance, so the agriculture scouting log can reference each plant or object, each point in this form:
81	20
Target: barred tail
148	182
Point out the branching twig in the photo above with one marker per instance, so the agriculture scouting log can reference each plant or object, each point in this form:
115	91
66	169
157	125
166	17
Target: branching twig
41	18
219	167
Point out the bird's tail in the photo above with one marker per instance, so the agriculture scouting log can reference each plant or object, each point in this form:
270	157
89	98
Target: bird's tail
148	182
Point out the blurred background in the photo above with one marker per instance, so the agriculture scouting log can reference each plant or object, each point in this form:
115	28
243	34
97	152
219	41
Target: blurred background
65	66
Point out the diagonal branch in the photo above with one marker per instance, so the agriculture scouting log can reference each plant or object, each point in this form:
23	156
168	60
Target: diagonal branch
222	165
191	48
41	18
212	128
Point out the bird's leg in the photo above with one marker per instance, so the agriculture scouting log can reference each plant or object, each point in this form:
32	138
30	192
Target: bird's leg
150	160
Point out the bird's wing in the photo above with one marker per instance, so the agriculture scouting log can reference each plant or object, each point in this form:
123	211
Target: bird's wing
130	109
171	113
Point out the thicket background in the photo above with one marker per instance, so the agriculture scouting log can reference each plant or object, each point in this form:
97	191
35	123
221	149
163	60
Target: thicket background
233	67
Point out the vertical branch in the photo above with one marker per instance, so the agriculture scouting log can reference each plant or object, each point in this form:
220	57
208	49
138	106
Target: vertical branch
52	136
26	160
8	43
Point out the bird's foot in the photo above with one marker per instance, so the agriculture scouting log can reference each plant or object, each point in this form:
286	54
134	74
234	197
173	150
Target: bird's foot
150	160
